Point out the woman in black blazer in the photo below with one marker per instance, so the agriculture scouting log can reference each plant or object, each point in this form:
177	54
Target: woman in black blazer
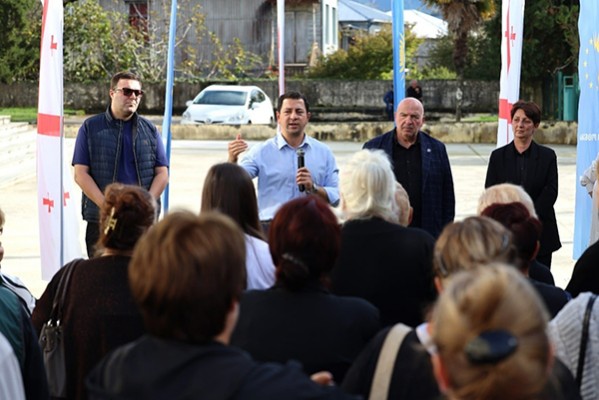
532	166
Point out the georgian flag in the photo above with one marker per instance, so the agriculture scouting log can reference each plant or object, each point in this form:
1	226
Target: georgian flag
58	226
512	19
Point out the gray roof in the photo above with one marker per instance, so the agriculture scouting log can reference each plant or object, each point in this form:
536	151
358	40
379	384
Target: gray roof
352	11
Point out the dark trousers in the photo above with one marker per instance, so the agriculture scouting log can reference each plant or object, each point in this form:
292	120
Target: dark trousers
92	234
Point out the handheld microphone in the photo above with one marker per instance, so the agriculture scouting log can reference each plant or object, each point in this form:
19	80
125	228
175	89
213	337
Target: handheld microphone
300	164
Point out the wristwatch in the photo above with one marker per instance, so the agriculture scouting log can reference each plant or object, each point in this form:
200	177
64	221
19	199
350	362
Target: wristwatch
314	189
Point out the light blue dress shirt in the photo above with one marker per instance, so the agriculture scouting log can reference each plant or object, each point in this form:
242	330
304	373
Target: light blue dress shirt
274	162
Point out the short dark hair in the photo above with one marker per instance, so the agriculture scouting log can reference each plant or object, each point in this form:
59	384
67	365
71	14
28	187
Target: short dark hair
294	96
228	188
186	273
526	229
304	240
531	110
123	75
126	214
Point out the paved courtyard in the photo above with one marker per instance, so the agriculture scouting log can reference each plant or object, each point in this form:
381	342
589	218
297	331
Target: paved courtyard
190	160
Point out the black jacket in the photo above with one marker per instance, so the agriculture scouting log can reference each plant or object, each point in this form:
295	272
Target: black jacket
412	376
585	277
320	330
388	265
540	184
155	369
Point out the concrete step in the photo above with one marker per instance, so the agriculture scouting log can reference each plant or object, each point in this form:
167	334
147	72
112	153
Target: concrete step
8	130
18	145
17	151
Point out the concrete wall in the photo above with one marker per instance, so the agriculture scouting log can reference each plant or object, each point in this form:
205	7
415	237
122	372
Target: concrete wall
438	95
446	131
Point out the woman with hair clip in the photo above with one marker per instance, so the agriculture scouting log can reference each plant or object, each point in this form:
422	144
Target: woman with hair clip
489	332
298	318
229	189
99	313
465	245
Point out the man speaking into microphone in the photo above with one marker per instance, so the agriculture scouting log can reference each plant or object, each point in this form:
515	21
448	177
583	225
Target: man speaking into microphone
291	164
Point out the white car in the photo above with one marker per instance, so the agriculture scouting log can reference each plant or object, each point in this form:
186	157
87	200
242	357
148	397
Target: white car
235	105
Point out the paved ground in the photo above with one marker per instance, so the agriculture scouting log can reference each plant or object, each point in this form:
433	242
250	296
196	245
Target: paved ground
191	160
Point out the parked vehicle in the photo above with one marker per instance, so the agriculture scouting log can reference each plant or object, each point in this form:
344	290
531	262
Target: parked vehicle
235	105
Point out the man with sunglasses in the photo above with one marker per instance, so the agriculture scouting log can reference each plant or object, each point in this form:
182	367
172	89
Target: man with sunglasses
117	146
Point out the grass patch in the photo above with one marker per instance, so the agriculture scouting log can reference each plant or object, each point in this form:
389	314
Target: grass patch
481	118
29	114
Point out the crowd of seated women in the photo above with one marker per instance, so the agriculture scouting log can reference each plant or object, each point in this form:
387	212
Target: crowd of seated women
331	304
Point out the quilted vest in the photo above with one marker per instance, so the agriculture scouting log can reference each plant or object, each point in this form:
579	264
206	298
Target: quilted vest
104	144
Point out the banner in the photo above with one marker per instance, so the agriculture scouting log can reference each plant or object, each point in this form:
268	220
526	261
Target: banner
512	21
399	53
59	233
168	99
588	119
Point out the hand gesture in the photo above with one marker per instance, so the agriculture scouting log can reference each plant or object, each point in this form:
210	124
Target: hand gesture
236	147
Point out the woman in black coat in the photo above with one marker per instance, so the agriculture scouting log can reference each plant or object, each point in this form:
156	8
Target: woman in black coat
99	313
298	318
381	261
534	167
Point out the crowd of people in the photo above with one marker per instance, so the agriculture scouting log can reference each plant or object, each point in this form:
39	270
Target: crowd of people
325	283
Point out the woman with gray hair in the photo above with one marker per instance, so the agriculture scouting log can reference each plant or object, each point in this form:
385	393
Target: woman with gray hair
380	260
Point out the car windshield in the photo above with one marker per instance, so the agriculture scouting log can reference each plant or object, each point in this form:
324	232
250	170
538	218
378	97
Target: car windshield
224	98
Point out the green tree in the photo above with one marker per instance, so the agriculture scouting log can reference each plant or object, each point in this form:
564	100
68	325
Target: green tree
483	61
232	62
99	43
20	41
463	17
370	57
550	44
88	41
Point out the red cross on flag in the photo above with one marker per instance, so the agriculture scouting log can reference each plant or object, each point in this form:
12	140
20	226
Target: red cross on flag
58	225
512	20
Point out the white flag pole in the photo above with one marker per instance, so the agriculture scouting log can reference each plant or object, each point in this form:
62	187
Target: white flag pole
281	44
512	21
58	227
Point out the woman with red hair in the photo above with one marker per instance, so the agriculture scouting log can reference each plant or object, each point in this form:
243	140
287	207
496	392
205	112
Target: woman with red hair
298	318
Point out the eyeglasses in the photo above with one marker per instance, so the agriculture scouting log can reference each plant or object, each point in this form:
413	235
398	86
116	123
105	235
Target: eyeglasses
128	92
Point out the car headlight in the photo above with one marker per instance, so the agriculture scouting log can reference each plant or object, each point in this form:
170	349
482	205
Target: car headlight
186	115
236	118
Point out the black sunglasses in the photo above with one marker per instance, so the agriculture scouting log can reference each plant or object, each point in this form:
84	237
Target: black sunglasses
128	92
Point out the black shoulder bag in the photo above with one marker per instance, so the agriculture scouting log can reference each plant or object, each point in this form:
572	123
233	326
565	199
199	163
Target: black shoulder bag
51	337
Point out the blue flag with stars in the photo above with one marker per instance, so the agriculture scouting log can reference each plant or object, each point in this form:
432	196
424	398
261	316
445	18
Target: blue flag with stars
588	121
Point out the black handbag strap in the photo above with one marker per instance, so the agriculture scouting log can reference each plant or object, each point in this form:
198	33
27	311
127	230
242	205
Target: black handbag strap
61	291
584	337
